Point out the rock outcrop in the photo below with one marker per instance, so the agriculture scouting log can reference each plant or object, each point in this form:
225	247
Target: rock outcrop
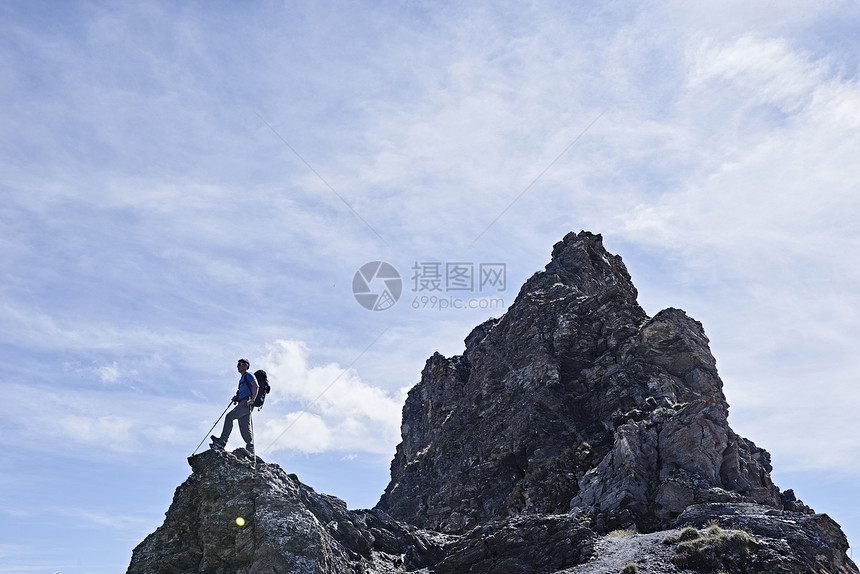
237	514
573	417
232	515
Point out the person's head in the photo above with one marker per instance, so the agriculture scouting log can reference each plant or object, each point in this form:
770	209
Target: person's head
243	365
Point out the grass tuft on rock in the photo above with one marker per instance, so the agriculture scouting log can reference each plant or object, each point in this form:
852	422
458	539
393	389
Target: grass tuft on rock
713	528
729	552
688	533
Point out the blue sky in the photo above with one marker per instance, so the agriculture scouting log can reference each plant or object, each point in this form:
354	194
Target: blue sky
181	186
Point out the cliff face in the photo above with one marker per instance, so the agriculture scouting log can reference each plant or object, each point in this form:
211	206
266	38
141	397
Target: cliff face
574	401
572	415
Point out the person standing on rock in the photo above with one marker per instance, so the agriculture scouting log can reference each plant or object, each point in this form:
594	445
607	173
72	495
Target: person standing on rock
244	398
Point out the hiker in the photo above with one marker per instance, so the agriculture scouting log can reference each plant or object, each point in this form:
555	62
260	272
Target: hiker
244	398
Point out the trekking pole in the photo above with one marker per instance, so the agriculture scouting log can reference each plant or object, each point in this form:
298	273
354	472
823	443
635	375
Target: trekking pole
253	443
213	426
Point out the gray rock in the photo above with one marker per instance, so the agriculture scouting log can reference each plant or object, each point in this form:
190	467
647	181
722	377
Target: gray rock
288	527
519	545
786	541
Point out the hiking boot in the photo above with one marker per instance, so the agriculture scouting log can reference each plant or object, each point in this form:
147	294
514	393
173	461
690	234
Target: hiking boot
217	442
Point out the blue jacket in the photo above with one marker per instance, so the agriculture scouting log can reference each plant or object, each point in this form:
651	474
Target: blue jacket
246	387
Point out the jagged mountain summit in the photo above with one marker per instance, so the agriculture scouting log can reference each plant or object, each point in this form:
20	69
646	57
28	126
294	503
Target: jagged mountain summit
575	400
571	418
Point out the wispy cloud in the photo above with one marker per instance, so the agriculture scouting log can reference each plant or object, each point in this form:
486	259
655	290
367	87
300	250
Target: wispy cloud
313	408
90	423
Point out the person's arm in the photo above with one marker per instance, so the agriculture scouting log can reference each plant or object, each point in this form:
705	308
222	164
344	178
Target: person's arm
255	388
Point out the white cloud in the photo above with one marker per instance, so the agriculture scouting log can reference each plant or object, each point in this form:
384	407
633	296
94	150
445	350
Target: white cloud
324	408
759	70
113	373
301	431
108	373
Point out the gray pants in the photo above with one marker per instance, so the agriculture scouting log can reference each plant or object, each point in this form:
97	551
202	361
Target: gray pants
242	413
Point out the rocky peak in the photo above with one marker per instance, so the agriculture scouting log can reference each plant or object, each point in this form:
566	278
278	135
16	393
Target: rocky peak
580	262
573	401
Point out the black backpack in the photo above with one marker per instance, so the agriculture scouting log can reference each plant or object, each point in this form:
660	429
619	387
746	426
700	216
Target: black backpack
264	390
